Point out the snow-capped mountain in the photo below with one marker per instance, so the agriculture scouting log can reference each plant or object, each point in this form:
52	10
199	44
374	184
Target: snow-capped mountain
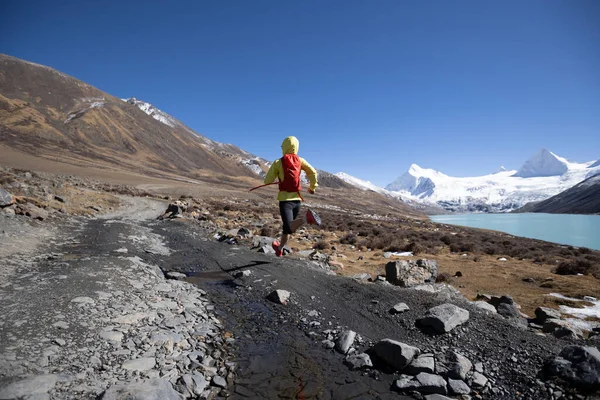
253	163
543	163
542	176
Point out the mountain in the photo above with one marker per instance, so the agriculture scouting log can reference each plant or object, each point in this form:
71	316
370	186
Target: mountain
542	176
583	198
52	115
543	163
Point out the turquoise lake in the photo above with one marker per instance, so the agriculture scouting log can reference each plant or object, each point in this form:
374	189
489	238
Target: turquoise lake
575	230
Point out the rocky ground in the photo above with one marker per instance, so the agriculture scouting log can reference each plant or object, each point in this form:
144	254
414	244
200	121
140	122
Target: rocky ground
100	303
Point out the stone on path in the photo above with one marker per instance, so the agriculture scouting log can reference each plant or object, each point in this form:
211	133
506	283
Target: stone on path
153	389
423	383
453	365
83	300
111	336
399	308
176	275
219	381
345	341
29	387
444	318
279	296
411	273
396	354
358	361
457	386
140	364
423	363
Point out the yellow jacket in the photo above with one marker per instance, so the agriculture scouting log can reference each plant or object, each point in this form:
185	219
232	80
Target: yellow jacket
290	145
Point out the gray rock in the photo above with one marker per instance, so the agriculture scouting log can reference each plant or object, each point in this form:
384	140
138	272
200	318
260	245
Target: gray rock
267	249
431	383
345	341
358	361
399	308
111	336
6	198
577	365
562	329
497	300
406	383
219	381
444	318
241	274
453	365
411	273
484	305
176	275
544	313
478	381
396	354
262	241
437	397
153	389
83	300
361	277
140	364
60	199
423	363
279	296
457	386
508	311
31	386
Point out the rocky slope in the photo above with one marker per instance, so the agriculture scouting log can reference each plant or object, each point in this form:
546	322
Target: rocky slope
583	198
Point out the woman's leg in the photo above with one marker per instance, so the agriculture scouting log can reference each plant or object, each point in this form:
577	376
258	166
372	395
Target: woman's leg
289	215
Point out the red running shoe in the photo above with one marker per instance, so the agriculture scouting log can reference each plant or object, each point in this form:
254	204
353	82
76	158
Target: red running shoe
275	246
312	218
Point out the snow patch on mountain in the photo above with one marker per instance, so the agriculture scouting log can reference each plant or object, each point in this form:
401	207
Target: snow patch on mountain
153	112
86	105
246	159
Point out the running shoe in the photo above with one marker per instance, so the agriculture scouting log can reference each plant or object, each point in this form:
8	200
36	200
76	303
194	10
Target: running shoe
275	246
312	218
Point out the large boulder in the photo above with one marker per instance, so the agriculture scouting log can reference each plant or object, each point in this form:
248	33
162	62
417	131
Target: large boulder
411	273
577	365
443	318
395	354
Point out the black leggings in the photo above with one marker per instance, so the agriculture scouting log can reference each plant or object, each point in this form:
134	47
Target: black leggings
289	211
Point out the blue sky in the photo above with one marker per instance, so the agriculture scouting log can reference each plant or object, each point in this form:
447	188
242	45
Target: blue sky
368	87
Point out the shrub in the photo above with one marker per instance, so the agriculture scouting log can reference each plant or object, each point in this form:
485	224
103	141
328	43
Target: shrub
443	277
415	248
447	240
573	267
349	238
321	245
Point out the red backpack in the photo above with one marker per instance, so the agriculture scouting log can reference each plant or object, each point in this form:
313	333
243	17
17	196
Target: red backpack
291	173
